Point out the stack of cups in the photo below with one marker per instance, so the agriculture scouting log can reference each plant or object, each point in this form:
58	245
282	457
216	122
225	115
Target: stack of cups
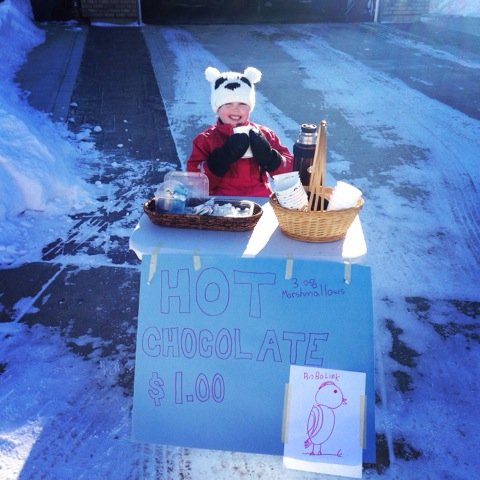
344	196
289	191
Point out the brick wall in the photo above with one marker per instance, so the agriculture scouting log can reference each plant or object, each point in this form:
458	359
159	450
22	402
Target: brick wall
403	10
109	9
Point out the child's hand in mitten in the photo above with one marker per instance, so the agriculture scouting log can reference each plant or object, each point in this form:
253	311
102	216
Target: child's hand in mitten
266	156
221	158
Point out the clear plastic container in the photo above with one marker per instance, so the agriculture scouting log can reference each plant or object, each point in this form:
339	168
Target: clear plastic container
180	190
196	183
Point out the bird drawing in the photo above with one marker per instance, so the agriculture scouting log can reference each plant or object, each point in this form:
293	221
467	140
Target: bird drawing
321	420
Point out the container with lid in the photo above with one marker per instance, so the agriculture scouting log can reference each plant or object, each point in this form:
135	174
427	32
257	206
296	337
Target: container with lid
304	151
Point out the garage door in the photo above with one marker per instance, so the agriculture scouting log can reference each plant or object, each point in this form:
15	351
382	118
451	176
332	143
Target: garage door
250	11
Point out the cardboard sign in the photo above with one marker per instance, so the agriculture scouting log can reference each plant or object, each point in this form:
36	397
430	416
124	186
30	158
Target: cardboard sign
216	338
325	421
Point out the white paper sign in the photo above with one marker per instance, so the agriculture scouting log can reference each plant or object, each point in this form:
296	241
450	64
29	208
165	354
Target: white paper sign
324	424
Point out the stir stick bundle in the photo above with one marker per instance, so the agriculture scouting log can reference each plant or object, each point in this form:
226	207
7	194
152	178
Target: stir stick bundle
317	175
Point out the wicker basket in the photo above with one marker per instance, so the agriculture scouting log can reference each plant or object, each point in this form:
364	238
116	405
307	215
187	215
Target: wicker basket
206	222
316	224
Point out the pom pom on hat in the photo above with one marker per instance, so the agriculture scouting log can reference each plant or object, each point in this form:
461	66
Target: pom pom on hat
228	87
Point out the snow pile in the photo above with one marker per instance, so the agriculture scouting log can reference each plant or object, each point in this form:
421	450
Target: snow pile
37	178
15	24
455	7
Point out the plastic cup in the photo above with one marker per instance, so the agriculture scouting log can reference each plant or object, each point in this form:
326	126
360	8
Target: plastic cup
344	196
244	129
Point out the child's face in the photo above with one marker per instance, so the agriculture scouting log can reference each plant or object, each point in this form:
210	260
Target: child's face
234	113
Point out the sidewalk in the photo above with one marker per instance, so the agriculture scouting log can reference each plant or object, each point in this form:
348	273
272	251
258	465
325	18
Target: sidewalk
52	69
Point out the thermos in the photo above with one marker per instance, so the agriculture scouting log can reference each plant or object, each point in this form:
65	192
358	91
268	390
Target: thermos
304	151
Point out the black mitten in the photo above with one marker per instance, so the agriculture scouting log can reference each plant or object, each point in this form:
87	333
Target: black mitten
221	158
266	156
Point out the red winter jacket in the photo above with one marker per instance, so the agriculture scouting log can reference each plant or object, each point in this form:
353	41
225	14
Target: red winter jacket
245	177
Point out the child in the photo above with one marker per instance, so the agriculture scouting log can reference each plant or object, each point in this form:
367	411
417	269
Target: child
235	162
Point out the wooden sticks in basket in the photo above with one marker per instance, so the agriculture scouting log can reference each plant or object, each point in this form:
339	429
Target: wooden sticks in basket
317	175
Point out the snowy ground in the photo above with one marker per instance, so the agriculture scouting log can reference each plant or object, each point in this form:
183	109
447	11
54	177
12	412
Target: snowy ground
467	8
67	415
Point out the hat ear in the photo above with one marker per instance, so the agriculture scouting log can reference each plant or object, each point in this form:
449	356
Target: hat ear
253	74
211	74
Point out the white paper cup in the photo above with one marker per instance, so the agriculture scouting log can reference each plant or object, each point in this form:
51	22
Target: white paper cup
344	196
290	191
244	129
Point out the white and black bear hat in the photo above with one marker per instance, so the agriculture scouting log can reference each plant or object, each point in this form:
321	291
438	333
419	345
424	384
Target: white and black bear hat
229	87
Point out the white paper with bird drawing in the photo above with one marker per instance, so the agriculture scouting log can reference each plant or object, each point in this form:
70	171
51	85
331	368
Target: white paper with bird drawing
324	421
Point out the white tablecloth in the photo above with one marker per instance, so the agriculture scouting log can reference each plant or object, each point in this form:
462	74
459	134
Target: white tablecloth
265	240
